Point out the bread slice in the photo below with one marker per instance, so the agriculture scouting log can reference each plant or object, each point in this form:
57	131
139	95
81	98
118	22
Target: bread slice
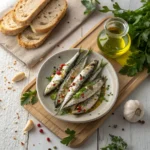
9	26
49	17
26	10
30	40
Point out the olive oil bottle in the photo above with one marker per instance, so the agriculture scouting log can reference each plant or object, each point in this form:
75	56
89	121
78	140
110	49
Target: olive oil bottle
114	40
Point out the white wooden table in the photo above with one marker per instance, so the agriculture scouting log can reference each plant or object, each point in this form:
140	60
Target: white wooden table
11	135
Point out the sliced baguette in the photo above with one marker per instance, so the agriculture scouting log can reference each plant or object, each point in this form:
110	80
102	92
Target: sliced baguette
26	10
31	40
49	17
9	26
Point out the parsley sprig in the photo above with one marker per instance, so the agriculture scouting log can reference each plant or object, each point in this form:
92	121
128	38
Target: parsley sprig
117	144
29	98
90	5
69	138
139	30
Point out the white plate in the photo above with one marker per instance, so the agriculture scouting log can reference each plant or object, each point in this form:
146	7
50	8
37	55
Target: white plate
47	69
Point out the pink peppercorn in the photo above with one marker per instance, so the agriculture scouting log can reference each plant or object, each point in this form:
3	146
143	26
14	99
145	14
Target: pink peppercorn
41	131
39	125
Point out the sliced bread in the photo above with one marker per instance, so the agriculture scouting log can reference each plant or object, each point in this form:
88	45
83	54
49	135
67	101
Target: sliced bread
26	10
9	26
49	17
30	40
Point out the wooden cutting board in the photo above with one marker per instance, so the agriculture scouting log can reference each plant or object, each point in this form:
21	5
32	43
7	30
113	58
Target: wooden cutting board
83	131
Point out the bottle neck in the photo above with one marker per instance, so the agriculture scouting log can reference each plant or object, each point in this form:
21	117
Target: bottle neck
116	27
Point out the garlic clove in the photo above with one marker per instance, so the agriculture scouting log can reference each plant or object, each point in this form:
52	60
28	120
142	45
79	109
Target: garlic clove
18	77
29	126
133	110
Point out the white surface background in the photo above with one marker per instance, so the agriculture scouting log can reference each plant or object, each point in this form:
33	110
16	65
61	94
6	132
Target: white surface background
136	135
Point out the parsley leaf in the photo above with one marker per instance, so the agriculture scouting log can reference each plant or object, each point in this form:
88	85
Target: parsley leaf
90	5
116	6
117	144
139	31
105	9
69	138
29	98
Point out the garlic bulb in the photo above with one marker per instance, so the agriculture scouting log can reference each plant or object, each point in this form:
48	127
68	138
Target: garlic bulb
133	110
28	126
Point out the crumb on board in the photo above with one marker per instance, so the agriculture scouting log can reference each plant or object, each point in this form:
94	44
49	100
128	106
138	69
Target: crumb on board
14	138
9	88
15	62
22	143
18	117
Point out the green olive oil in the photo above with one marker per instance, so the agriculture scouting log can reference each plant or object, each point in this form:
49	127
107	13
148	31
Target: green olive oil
114	40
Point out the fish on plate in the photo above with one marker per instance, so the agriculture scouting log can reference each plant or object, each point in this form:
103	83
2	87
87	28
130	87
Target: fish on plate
61	74
86	92
78	81
86	105
63	90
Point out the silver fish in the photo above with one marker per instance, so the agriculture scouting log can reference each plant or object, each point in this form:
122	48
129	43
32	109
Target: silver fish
79	80
59	76
85	92
98	71
70	77
86	105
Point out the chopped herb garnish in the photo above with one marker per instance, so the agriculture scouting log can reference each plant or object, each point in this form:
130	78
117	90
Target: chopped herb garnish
80	92
65	111
108	87
29	98
49	78
53	95
69	138
102	94
117	144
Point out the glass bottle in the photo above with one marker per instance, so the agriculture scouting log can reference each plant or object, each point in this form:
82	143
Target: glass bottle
114	40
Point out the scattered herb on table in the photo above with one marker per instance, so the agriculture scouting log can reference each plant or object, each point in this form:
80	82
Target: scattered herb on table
90	5
117	144
55	147
139	30
69	138
29	98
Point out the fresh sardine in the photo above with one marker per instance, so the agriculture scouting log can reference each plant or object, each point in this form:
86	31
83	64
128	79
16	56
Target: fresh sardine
86	105
61	74
79	80
63	90
85	92
98	71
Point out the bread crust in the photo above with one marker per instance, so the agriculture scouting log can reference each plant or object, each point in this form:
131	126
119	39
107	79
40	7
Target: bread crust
38	30
10	31
28	45
29	19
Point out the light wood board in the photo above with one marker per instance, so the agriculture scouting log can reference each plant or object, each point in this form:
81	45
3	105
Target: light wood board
83	131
